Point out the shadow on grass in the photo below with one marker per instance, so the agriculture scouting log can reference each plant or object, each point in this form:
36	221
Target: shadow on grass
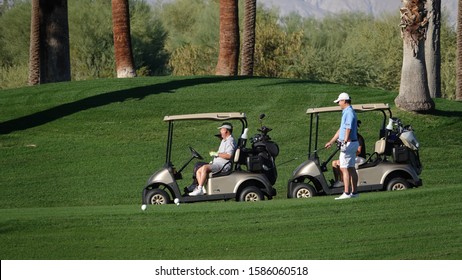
55	113
451	114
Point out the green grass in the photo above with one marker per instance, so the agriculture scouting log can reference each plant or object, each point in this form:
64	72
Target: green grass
74	158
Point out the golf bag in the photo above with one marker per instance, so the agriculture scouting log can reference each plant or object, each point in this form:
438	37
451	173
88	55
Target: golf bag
402	144
261	158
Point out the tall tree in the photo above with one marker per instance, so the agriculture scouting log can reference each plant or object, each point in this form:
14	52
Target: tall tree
432	47
459	53
414	94
49	59
228	57
122	41
34	46
248	46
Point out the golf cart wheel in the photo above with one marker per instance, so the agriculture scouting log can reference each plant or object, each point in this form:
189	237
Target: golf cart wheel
303	191
157	197
398	184
251	194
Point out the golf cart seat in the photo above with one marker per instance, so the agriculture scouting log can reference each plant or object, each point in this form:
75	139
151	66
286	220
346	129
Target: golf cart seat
232	164
225	170
380	146
375	157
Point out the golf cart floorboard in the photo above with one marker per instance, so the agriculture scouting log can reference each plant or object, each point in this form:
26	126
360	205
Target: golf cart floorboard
206	197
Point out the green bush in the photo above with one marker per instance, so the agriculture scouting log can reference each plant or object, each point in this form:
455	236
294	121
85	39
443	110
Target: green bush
14	46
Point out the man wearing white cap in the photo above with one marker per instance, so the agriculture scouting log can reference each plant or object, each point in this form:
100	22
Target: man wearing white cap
220	158
347	135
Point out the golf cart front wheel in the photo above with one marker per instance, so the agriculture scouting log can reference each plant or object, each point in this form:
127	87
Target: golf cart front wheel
157	197
398	184
251	194
303	191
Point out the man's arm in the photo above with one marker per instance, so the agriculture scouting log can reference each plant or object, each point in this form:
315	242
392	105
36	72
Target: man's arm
332	141
347	135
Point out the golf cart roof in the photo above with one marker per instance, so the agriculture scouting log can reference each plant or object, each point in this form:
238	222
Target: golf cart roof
359	108
207	116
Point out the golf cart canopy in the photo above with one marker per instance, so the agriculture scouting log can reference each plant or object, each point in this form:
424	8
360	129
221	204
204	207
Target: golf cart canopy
202	116
207	116
358	108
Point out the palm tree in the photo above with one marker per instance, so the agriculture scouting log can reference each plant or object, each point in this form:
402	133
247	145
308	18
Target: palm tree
34	47
228	58
49	46
432	48
248	46
414	94
459	52
122	40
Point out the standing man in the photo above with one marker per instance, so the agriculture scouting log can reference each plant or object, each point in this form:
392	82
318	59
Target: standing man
347	135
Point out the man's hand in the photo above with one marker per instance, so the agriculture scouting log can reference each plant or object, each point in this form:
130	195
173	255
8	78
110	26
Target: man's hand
213	154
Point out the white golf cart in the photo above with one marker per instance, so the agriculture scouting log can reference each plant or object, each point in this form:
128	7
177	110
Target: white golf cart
394	164
250	178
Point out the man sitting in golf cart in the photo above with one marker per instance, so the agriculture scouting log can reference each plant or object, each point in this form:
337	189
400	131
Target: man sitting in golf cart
221	158
360	159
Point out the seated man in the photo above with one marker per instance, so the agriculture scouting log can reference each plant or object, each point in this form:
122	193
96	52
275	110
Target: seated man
360	159
220	158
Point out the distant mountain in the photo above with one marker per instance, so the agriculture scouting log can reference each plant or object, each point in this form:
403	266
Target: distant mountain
321	8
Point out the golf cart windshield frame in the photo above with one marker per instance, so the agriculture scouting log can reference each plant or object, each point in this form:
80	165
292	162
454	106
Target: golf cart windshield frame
203	116
314	113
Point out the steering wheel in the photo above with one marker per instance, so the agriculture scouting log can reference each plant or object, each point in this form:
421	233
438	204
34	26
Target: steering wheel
195	154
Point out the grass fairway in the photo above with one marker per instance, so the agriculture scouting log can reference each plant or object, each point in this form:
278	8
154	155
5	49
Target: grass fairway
74	158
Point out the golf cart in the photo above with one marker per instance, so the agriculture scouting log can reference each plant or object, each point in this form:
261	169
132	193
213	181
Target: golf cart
250	178
394	164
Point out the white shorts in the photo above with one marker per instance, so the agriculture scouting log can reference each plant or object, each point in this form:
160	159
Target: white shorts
348	155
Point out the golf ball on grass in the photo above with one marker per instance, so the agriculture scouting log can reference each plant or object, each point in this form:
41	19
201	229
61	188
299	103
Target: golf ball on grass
177	201
143	207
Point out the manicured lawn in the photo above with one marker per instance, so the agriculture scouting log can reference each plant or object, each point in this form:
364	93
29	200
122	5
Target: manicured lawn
74	158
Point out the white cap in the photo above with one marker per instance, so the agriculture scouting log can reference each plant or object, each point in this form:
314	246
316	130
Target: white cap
226	125
342	96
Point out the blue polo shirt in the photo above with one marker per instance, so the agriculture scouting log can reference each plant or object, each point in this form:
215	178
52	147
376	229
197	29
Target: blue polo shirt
349	121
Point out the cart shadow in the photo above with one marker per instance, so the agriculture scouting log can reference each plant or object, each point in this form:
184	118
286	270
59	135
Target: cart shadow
55	113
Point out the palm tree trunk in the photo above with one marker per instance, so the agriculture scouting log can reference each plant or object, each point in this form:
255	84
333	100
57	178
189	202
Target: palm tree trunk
55	63
34	47
413	91
122	40
459	53
248	46
432	48
228	58
414	94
